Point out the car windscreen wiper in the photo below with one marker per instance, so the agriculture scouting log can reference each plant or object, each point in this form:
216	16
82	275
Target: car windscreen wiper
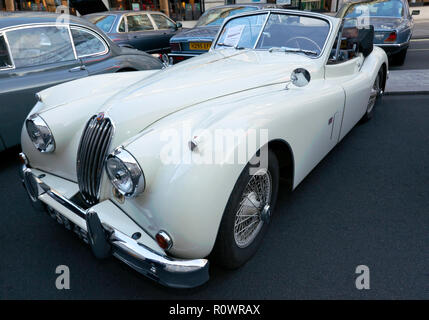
293	50
221	44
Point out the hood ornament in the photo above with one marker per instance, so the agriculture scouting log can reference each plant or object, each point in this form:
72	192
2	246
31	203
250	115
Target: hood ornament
100	117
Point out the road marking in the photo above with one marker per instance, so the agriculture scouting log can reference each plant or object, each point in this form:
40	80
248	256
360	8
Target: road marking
419	40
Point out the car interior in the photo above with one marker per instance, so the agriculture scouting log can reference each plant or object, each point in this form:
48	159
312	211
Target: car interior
353	41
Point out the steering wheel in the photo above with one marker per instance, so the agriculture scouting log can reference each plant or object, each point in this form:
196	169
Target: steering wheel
304	38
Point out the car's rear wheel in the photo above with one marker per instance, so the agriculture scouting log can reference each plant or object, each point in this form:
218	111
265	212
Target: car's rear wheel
247	215
374	96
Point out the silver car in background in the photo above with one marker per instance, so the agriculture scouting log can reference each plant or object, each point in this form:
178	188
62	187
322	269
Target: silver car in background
392	21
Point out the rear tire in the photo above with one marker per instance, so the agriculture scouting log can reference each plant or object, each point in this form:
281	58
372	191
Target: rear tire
246	217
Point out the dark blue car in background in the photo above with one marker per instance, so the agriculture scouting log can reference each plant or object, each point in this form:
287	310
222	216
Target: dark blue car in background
148	31
192	42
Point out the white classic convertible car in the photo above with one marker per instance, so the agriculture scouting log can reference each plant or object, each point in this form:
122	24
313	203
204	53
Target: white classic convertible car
163	169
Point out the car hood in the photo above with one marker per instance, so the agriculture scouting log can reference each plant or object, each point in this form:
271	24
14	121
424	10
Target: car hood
198	33
135	101
386	23
196	81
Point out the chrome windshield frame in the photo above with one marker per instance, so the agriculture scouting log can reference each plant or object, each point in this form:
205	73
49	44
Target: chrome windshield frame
277	11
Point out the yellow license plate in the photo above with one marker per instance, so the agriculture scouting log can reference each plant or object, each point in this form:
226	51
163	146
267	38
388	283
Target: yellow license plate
199	46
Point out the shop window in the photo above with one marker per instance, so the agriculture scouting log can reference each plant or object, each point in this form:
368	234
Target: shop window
86	43
38	46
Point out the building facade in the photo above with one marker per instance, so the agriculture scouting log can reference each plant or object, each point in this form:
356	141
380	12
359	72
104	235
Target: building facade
181	10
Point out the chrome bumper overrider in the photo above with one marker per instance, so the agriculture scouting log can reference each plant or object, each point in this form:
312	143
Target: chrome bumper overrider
105	240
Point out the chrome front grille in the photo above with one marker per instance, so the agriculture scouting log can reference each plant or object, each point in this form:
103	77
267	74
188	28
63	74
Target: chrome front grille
92	153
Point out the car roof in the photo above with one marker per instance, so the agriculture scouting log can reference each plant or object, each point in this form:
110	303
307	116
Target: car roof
121	12
12	19
259	5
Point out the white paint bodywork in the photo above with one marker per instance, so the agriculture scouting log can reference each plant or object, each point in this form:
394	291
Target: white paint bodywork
231	89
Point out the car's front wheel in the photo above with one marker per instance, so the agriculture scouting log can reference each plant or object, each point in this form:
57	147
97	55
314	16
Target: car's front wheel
374	96
247	214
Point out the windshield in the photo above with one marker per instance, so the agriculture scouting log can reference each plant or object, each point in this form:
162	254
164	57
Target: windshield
216	16
103	22
286	32
392	8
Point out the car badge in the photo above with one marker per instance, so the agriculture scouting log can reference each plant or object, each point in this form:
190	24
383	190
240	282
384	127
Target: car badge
100	117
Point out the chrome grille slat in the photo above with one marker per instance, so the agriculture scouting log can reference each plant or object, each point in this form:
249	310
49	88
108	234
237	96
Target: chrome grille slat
92	152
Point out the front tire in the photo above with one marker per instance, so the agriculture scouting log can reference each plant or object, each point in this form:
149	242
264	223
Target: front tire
374	96
246	217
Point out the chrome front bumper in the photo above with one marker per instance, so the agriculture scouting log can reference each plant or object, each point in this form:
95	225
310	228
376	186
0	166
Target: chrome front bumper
106	240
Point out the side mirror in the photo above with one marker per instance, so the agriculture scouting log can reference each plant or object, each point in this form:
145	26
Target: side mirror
300	77
178	25
415	12
366	40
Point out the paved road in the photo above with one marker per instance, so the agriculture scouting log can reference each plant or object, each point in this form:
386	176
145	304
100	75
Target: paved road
417	55
366	203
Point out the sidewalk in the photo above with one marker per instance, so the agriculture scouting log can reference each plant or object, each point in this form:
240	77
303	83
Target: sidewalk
421	23
408	82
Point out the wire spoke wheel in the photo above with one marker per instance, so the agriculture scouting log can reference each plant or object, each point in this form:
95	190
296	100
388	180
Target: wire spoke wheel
248	218
375	91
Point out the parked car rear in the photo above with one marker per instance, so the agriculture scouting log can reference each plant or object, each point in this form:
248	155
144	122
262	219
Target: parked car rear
392	21
192	42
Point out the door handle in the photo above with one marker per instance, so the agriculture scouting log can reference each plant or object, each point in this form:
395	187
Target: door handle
76	69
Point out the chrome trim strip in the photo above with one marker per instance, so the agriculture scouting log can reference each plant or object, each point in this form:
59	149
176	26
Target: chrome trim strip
280	11
73	45
183	54
262	30
391	44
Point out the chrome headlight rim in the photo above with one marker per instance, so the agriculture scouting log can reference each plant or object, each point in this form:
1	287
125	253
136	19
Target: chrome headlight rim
133	169
47	137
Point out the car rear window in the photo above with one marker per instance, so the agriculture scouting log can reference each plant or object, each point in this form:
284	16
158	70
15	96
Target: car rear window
86	43
4	54
104	22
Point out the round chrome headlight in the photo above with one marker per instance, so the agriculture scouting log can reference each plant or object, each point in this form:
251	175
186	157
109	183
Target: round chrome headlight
125	173
40	134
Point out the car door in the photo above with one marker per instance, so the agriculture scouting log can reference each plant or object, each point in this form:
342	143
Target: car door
141	32
42	56
344	69
166	28
93	51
